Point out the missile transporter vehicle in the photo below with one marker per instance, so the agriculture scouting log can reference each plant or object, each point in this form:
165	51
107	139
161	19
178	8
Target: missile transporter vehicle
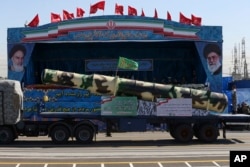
71	84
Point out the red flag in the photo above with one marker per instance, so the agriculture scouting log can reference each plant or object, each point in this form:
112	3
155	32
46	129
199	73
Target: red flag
142	13
99	5
55	18
156	14
169	16
196	20
79	12
184	19
92	10
118	9
132	11
67	15
34	22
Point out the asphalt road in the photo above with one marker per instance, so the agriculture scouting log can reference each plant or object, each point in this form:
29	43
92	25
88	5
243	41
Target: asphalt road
147	149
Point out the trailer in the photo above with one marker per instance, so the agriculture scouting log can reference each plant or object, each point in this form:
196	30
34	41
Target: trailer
69	84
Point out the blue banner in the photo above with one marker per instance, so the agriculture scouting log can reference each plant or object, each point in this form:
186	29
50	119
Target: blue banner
60	101
60	95
111	65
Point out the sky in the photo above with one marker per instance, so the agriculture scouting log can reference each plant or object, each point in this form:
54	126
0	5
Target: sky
232	15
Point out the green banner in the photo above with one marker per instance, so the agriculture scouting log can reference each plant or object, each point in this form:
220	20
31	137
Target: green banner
125	63
112	105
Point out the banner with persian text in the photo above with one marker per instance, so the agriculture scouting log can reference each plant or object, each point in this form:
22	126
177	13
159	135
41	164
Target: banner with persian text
126	106
111	65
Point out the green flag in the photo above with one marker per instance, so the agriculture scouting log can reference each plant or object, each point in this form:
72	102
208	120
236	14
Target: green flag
125	63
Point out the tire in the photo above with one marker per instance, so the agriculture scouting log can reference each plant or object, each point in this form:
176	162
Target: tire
183	133
6	135
84	134
60	135
172	132
208	133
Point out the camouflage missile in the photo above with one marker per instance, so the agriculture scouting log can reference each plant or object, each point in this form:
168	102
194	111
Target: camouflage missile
108	85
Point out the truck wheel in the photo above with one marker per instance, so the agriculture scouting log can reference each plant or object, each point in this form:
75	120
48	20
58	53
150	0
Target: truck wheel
60	135
183	133
84	134
6	135
208	133
172	132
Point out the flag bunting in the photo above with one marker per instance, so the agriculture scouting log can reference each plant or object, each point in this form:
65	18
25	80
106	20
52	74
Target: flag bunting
132	11
55	18
184	19
99	5
118	9
67	15
169	16
156	14
196	20
34	22
142	13
79	12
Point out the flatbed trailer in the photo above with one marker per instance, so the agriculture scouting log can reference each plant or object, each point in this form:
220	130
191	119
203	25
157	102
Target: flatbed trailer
61	126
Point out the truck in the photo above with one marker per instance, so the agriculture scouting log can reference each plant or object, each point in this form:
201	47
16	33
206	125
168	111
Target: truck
69	84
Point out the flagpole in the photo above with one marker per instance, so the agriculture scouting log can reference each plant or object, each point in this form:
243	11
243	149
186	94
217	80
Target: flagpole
116	72
116	69
89	9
